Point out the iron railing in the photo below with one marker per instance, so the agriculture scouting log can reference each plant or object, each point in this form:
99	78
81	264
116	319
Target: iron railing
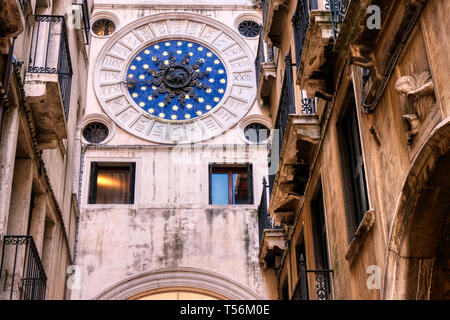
264	219
265	4
86	20
262	55
322	283
29	270
300	21
337	9
286	105
24	4
50	53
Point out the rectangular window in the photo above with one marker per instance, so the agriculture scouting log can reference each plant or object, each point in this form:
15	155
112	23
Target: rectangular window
112	183
319	231
320	238
230	184
353	170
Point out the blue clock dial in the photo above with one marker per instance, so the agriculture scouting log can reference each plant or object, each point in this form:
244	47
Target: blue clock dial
177	80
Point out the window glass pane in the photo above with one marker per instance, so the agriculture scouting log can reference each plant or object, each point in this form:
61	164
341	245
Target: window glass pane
219	186
240	188
113	186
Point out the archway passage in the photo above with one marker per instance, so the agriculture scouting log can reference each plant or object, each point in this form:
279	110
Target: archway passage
418	257
428	245
182	283
178	294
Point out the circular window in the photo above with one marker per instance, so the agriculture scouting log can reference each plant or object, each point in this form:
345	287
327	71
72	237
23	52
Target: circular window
249	28
256	132
103	27
95	132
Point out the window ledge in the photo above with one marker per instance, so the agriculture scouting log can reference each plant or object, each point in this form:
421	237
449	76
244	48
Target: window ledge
357	242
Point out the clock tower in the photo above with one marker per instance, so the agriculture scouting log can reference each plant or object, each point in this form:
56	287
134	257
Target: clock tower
174	153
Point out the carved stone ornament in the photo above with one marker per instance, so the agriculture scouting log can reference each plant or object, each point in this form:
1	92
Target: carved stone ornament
175	78
420	95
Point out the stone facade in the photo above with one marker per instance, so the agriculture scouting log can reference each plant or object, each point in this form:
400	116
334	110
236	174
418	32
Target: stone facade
38	161
393	80
171	228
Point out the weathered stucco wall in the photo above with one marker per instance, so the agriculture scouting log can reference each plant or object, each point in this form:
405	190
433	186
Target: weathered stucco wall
171	223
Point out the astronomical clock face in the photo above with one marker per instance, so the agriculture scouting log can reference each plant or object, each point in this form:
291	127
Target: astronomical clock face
175	78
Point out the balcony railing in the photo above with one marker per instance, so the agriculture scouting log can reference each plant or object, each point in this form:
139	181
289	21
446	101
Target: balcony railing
50	53
86	20
300	21
24	4
20	261
322	283
287	101
263	55
265	4
286	105
337	9
264	219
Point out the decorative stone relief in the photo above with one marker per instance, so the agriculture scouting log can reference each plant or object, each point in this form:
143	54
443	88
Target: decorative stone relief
420	95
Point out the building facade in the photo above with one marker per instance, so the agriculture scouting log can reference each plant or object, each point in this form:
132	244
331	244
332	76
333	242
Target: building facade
275	149
171	174
361	195
44	60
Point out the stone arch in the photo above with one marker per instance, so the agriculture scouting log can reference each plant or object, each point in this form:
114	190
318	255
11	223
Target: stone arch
418	251
184	279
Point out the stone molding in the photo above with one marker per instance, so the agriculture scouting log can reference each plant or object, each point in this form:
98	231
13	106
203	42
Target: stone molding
251	119
97	117
437	144
185	277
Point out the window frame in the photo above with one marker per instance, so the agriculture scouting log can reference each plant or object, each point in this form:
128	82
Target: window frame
93	175
356	195
230	170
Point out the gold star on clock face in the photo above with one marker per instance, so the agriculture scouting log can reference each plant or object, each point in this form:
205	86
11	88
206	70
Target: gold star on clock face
177	80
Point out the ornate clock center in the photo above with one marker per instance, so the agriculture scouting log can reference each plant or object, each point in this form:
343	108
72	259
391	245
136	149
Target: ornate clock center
177	76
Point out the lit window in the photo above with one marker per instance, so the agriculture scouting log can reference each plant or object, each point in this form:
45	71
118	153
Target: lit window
112	183
103	27
230	185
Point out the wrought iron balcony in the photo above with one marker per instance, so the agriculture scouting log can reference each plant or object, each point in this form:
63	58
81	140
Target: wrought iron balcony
48	81
322	283
265	69
337	9
265	4
272	238
264	219
300	21
43	57
21	269
24	4
85	16
286	105
263	55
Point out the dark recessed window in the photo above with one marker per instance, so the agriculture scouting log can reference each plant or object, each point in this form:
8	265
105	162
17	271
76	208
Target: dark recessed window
103	27
249	28
357	201
95	132
112	183
230	185
256	132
